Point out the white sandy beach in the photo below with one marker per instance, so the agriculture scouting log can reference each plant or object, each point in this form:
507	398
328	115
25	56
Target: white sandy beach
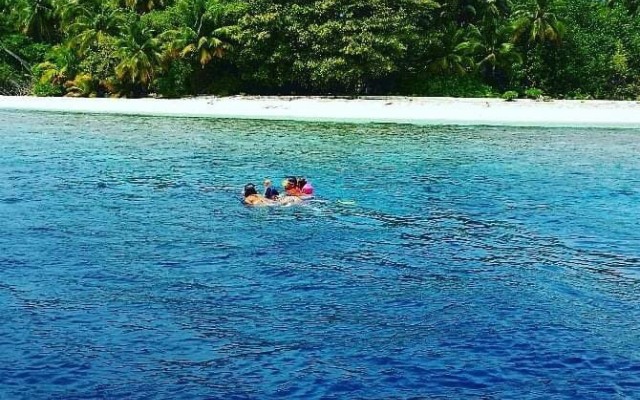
372	109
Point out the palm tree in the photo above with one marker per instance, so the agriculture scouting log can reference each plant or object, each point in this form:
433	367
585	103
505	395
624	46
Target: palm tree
139	56
69	10
36	19
186	43
537	22
497	50
456	47
95	27
498	54
202	39
462	12
143	6
64	60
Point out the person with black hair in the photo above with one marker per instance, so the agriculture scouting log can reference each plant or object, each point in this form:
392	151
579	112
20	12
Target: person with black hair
301	182
252	198
290	185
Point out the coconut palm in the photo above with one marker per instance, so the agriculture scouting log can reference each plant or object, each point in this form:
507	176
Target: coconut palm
186	43
68	10
537	22
498	51
65	60
455	49
203	38
138	54
95	27
493	35
143	6
36	19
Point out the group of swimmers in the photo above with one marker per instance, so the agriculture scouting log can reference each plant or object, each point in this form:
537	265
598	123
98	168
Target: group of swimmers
295	190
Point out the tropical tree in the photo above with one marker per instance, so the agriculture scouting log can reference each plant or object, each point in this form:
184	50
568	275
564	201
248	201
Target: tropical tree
61	64
454	50
337	46
632	6
4	7
203	37
496	50
537	30
498	54
537	21
142	6
187	43
460	12
36	19
139	56
92	26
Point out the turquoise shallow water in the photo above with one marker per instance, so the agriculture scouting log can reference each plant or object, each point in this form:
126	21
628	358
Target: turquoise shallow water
442	262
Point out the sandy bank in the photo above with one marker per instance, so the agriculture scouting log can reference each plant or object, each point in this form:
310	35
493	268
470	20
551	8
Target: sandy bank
374	109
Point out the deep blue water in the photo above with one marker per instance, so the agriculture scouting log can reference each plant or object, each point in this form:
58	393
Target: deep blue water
444	262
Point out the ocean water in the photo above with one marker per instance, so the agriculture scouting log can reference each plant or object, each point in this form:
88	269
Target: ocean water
436	262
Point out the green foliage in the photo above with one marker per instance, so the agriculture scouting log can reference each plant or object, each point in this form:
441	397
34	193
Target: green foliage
537	22
175	81
510	95
142	6
11	81
91	28
138	53
100	63
448	86
620	60
17	54
534	93
329	46
226	83
36	19
47	90
7	74
83	85
19	49
577	48
454	51
599	57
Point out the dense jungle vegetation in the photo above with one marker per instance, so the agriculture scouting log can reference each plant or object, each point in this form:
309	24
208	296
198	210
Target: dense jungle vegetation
559	48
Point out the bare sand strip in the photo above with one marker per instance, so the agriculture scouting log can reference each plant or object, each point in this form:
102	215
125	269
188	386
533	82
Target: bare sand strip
422	111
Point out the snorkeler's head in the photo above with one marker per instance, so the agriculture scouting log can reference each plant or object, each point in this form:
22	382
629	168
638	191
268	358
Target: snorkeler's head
249	189
290	182
301	182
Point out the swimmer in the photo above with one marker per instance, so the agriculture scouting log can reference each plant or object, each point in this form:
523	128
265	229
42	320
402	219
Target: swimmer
270	192
252	198
300	182
291	187
305	187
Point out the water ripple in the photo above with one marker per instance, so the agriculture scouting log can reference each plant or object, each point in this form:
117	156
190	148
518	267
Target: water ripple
437	262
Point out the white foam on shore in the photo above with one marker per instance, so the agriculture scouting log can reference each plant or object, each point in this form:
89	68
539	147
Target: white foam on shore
420	111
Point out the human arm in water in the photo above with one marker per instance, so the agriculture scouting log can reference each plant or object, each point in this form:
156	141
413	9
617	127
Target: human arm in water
256	200
287	200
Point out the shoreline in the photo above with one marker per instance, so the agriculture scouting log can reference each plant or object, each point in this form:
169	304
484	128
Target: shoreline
379	109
